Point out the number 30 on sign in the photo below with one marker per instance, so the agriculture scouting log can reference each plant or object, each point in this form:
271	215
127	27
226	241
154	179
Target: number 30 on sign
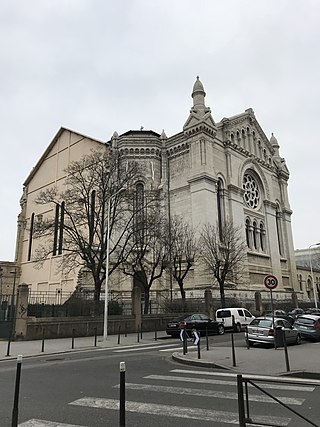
270	281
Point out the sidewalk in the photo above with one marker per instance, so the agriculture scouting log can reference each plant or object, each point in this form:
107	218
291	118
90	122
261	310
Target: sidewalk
303	359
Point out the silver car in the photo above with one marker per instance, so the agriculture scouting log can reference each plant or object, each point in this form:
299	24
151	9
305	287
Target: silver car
262	330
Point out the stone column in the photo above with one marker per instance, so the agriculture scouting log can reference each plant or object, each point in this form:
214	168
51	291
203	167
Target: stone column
136	306
20	327
258	299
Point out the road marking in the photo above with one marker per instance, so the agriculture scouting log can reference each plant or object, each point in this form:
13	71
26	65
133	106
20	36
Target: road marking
43	423
178	411
210	393
221	382
156	346
231	375
171	349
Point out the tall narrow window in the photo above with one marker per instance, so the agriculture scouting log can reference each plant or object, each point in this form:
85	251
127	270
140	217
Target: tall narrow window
139	212
61	225
262	237
279	230
30	236
255	241
248	233
56	230
220	207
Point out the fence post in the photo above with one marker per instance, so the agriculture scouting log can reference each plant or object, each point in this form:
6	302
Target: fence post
286	351
241	411
15	409
122	403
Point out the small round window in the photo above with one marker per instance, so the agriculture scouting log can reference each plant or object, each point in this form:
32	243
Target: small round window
251	191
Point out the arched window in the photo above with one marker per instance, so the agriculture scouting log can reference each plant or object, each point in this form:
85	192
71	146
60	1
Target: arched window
220	207
255	240
262	237
300	282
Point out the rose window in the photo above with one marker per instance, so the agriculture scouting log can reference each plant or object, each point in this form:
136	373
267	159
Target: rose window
251	191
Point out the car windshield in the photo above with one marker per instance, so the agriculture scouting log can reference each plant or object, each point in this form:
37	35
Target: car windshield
263	323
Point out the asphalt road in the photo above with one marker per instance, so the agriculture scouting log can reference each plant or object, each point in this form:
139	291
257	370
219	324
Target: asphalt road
82	389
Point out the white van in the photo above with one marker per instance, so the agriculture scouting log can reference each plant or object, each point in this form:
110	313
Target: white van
234	318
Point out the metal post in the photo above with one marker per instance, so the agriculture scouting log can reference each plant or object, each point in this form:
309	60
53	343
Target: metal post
247	341
122	394
8	346
155	334
125	329
241	411
16	394
207	339
42	345
233	351
105	319
138	335
198	345
119	334
72	340
95	337
141	331
286	351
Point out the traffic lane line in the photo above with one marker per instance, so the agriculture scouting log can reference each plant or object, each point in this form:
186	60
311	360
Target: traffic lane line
44	423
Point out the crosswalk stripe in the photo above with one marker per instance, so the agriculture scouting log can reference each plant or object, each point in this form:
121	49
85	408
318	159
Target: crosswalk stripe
210	393
218	382
145	348
178	411
43	423
171	349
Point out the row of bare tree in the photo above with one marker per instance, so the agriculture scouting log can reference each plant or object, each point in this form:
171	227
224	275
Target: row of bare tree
103	208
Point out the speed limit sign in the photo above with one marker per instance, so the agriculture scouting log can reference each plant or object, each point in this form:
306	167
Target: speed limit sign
270	281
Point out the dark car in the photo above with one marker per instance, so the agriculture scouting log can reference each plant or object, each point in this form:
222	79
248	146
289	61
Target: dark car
262	331
295	312
280	314
309	326
200	322
313	310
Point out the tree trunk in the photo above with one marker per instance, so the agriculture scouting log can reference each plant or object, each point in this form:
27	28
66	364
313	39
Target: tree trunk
222	295
96	298
182	291
146	301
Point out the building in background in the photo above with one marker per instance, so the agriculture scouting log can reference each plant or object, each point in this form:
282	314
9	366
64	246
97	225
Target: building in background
210	172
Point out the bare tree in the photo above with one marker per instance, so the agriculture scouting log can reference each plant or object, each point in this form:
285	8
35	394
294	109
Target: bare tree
78	230
223	251
149	260
183	246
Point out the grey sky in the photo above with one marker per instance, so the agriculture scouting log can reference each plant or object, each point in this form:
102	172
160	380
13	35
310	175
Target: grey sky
99	66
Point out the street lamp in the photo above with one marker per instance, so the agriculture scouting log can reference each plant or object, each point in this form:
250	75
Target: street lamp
105	319
313	285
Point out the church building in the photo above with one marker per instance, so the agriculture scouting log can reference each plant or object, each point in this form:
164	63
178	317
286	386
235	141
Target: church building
209	172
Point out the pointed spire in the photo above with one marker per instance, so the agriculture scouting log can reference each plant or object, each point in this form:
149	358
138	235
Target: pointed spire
163	135
273	141
198	94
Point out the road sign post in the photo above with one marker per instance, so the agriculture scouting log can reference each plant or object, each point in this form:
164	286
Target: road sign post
271	282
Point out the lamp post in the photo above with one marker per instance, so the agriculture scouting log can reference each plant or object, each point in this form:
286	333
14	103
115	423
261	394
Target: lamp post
105	319
13	303
311	271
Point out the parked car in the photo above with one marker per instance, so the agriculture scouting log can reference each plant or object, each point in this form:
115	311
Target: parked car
262	330
309	326
295	312
312	310
234	318
279	313
200	322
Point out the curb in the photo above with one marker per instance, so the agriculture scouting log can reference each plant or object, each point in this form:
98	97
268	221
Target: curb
202	363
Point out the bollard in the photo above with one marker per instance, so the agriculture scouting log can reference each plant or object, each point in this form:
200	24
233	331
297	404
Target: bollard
155	335
125	329
247	341
241	411
198	345
141	331
286	351
72	340
42	344
16	394
207	339
122	403
233	351
95	337
119	334
138	335
8	346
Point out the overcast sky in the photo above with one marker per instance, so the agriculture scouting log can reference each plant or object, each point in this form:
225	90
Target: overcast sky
99	66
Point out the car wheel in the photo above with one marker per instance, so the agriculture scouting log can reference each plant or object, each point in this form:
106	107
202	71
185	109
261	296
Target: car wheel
220	329
298	339
250	343
237	327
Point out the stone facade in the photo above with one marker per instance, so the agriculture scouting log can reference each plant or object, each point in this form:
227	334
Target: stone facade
227	170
